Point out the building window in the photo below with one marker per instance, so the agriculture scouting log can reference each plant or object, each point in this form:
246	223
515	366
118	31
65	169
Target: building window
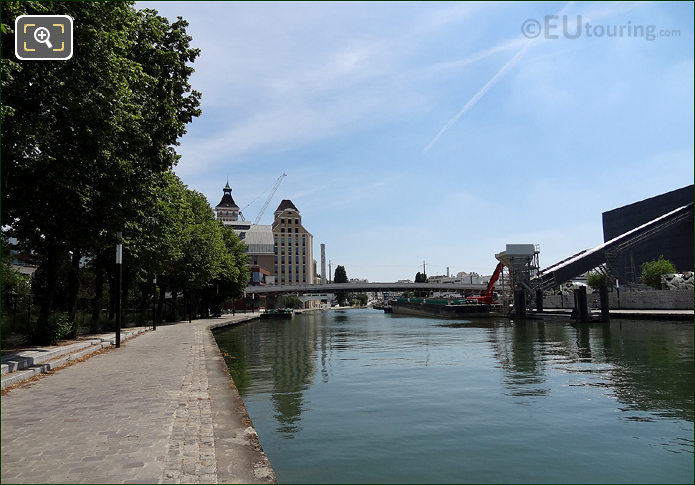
282	229
282	260
282	221
296	250
304	259
303	268
296	230
304	278
296	239
303	241
282	240
283	269
303	250
255	260
296	221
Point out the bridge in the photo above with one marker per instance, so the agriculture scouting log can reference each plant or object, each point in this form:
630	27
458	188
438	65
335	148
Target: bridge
364	288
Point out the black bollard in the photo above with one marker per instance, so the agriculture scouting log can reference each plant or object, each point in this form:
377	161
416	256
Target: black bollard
580	304
605	306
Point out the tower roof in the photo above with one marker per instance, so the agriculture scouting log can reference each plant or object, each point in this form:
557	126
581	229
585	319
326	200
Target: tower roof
286	204
227	200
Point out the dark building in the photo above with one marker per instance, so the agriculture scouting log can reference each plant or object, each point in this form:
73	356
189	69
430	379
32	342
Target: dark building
674	243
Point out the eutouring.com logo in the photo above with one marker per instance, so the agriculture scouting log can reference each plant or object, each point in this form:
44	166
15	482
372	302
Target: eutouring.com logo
555	27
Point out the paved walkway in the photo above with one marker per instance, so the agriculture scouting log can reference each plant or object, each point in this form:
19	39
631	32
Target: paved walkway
161	409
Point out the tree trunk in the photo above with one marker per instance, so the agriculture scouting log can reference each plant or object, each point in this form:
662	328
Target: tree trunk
98	292
174	298
46	334
143	304
160	304
73	289
112	294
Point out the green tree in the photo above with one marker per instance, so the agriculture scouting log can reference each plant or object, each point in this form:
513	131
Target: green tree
595	279
13	284
421	278
340	276
652	271
84	139
361	299
291	301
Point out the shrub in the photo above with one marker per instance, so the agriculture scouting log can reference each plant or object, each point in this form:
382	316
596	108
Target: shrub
595	279
292	302
652	271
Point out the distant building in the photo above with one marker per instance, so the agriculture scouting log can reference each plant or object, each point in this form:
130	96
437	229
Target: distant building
294	253
260	247
228	213
674	243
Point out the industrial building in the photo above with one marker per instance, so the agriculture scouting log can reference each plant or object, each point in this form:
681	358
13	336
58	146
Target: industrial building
675	243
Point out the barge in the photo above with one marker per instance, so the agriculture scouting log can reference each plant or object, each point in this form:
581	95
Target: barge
436	307
285	313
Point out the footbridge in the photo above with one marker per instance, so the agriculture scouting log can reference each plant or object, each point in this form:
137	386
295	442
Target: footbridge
364	288
589	259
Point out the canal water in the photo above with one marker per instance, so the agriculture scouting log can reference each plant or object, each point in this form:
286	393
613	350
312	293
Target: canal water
363	396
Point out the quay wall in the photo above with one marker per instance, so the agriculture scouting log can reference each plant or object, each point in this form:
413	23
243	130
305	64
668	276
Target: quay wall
632	300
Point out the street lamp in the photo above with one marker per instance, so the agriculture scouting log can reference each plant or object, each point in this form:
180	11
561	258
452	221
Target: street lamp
119	276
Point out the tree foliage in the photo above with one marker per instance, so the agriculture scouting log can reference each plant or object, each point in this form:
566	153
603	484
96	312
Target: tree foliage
88	148
340	276
595	279
291	301
652	271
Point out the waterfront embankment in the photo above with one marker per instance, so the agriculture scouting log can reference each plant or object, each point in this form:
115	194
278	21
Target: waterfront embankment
162	408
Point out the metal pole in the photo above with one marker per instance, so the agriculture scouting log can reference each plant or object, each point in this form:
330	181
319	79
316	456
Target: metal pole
119	276
617	288
154	303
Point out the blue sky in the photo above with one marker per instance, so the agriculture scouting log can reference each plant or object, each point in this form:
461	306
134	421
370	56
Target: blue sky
348	98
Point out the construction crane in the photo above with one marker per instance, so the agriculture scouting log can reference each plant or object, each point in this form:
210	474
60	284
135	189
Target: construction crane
487	297
270	197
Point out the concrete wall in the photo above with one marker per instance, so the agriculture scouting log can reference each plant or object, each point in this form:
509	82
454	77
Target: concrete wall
632	300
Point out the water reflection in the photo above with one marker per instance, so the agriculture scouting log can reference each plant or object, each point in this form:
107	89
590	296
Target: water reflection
646	366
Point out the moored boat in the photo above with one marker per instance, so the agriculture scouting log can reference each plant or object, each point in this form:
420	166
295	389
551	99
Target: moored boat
285	313
435	307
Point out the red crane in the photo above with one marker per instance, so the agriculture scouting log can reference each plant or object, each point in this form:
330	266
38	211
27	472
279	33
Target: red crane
486	297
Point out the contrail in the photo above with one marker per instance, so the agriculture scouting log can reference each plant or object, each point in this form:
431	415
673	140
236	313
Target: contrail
517	57
511	63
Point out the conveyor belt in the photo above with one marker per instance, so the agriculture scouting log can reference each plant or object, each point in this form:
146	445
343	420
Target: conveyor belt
589	259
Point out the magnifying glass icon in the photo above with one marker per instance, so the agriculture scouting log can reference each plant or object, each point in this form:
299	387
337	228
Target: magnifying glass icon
43	36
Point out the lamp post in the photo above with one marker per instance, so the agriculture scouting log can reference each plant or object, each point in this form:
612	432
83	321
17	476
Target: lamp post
154	303
119	276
